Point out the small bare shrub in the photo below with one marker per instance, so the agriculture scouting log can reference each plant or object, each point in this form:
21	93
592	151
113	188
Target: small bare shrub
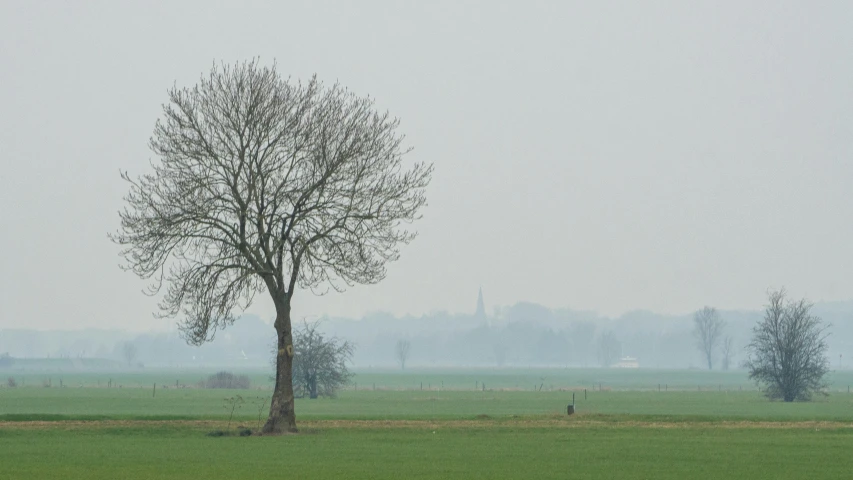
11	383
262	402
227	380
232	404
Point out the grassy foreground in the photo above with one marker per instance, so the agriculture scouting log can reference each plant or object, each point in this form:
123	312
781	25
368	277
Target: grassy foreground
442	450
129	432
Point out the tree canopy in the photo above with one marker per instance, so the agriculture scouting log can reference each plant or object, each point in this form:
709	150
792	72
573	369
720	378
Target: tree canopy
263	184
708	330
788	350
319	362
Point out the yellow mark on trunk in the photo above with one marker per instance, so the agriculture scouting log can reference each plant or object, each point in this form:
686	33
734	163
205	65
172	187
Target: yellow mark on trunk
290	350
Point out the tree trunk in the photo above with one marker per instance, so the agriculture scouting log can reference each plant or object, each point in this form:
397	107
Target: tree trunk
788	392
282	414
313	384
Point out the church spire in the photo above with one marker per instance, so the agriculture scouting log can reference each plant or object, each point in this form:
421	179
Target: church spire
481	307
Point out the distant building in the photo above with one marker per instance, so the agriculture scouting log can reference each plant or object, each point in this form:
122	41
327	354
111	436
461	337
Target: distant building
481	307
627	362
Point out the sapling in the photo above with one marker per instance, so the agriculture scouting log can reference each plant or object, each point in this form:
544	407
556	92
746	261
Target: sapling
233	403
261	409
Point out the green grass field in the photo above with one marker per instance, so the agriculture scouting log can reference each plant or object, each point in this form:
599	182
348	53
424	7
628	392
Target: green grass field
627	430
444	452
138	403
428	379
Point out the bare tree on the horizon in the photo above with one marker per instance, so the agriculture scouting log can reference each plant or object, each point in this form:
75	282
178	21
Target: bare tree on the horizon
582	336
265	185
788	350
402	352
728	347
128	352
609	349
500	354
707	329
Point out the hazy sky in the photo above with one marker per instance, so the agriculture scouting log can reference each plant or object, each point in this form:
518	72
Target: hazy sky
599	155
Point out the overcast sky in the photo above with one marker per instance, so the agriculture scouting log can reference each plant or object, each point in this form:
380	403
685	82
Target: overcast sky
600	155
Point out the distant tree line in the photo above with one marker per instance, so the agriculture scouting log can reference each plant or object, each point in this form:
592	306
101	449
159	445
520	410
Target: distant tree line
520	335
6	360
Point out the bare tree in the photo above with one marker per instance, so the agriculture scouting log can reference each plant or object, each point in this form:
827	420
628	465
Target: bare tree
128	352
728	347
319	363
582	336
402	352
266	185
500	354
707	329
788	350
609	349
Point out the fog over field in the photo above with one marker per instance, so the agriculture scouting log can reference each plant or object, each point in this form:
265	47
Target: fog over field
447	239
522	335
600	167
